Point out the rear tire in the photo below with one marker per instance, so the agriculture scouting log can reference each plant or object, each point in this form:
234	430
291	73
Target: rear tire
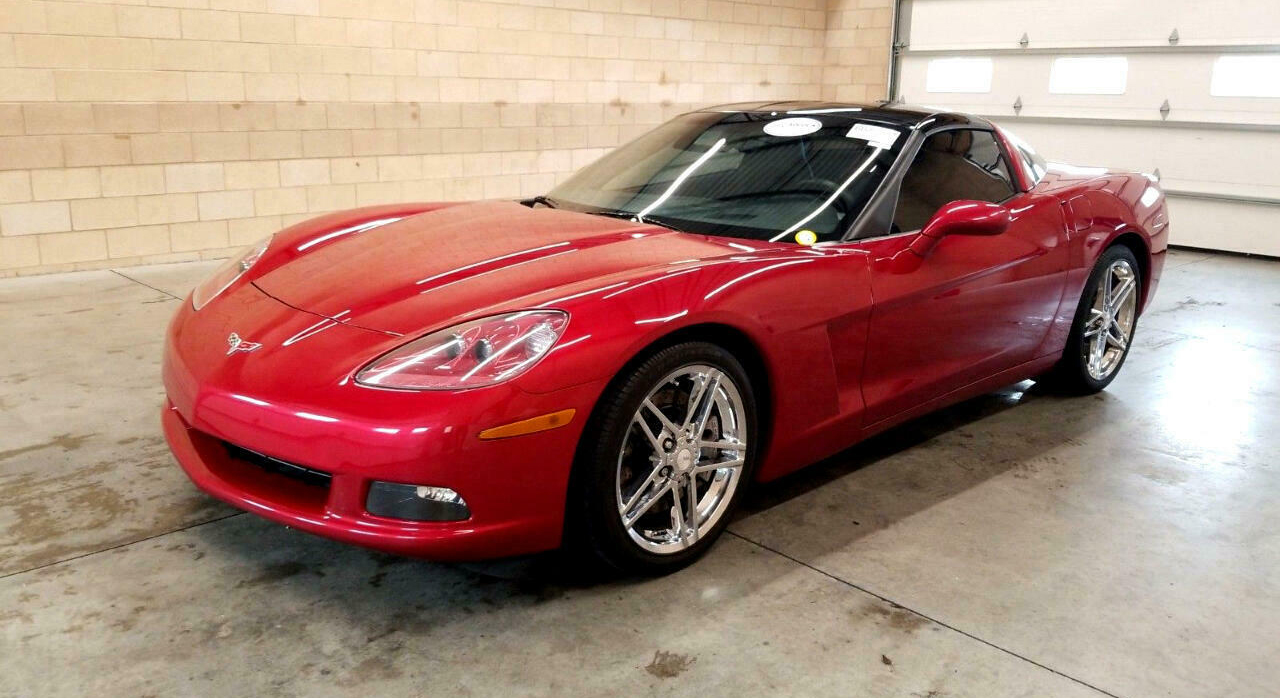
650	494
1102	331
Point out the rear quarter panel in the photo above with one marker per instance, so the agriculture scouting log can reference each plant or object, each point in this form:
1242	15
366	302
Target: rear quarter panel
1101	206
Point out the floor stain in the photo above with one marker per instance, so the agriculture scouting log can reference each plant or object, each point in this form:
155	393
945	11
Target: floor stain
66	442
15	615
1162	475
130	621
371	669
47	509
272	574
667	665
895	616
1188	303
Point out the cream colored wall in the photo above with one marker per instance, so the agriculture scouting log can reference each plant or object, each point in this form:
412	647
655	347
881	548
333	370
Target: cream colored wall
857	38
136	131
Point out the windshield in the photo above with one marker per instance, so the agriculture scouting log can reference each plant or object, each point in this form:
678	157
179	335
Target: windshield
795	177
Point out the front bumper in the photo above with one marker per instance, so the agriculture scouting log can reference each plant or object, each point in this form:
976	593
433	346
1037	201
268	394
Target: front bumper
295	406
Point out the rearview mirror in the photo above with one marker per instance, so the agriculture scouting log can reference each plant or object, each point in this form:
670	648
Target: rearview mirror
967	218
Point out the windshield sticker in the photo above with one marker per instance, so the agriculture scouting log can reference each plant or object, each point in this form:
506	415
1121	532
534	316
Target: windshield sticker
877	136
789	128
806	237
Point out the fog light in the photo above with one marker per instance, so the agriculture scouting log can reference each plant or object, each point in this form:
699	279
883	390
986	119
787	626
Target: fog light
415	502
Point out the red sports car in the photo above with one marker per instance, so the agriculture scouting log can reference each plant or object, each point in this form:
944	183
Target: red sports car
740	292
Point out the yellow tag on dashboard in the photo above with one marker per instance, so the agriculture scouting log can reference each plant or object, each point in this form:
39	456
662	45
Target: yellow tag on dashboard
806	237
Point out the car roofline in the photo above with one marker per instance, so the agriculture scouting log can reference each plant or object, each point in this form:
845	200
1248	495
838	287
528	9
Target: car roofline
910	116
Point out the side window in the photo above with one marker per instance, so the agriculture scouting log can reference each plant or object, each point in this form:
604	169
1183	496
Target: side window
950	166
1033	163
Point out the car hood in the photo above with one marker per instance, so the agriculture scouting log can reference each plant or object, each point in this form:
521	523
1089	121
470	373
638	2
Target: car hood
467	260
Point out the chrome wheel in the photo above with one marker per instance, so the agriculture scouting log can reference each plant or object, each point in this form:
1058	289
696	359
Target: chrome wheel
682	459
1111	318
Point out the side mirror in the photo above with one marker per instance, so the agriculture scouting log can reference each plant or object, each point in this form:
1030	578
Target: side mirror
967	218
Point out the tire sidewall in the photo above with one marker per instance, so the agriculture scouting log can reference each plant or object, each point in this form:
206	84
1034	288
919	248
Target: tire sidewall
592	492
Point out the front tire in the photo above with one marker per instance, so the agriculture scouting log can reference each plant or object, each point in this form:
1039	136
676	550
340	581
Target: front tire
1102	331
665	461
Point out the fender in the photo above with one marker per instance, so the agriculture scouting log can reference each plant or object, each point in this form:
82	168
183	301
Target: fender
829	317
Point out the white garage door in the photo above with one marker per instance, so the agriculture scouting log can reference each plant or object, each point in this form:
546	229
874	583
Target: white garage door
1188	88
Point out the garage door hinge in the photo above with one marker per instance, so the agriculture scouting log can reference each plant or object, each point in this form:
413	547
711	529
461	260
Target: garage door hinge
1164	110
1024	40
1173	38
1017	105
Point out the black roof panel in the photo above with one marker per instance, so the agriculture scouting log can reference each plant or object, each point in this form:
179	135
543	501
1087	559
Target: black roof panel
900	114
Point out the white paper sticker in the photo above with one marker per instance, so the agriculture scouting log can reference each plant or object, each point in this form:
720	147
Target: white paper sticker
796	126
877	136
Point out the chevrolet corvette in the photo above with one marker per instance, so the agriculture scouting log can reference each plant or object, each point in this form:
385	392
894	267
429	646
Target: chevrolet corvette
607	367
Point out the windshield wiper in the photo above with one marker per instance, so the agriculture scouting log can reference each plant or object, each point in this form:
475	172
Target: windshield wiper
629	216
540	199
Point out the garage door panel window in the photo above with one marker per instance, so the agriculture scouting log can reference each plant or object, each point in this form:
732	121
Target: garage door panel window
971	75
1089	75
951	166
1246	76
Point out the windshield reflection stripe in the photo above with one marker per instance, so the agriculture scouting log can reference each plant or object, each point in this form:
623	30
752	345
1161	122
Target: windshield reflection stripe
856	173
680	180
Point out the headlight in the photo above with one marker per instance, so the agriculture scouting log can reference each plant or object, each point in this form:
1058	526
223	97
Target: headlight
474	354
227	274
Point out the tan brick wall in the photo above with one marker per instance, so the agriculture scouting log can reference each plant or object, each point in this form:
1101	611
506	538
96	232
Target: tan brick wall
162	130
856	63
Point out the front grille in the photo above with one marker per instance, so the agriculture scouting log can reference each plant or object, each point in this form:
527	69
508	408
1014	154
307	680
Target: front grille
314	478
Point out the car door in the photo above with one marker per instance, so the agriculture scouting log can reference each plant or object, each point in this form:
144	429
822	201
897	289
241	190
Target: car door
972	306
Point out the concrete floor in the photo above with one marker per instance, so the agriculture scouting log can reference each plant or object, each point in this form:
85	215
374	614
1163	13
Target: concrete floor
1020	544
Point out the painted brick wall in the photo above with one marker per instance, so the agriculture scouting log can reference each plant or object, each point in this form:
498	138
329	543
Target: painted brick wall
856	38
160	130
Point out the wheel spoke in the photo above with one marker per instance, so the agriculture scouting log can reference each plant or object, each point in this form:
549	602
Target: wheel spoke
1096	351
1120	339
666	423
728	445
677	515
648	433
720	465
1097	319
691	514
640	491
704	413
1121	294
633	513
695	398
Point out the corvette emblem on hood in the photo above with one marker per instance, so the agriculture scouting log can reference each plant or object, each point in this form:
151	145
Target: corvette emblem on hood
235	344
